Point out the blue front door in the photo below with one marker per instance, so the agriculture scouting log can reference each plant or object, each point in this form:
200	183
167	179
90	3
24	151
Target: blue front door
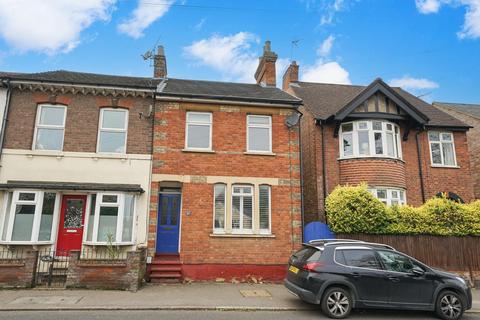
168	223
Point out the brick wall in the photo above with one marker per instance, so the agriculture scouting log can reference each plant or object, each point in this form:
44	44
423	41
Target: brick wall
17	272
91	274
473	137
81	127
380	172
197	244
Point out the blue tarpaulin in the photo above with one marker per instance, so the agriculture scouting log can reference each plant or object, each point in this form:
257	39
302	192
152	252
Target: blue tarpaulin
317	230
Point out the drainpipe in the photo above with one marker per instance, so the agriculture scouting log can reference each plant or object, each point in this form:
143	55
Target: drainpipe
302	210
5	114
324	170
420	170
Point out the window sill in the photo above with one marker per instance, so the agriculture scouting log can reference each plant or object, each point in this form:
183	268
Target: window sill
444	167
241	235
255	153
198	151
103	244
100	155
370	158
46	153
25	243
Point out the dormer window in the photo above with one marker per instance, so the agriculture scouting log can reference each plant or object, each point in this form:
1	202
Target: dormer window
370	138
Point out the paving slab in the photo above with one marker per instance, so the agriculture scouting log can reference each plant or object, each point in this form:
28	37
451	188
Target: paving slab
193	296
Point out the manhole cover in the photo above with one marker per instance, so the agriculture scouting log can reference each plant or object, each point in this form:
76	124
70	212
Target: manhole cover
47	300
255	293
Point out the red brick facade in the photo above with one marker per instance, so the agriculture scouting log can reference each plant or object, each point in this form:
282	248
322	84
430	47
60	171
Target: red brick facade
403	173
200	249
473	137
81	126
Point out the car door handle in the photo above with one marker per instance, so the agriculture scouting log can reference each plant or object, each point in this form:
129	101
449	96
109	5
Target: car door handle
356	274
393	279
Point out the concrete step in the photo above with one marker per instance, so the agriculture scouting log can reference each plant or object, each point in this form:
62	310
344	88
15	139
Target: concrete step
166	274
166	268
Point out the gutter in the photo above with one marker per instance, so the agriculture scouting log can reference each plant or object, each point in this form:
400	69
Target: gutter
222	100
420	171
5	114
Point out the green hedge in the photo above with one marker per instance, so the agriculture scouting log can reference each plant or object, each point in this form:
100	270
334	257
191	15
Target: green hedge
353	209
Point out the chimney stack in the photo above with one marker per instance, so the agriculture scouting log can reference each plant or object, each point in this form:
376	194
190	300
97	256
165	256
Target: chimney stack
160	64
266	74
290	75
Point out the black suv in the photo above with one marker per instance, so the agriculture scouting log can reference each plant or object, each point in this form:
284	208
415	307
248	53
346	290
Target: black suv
343	274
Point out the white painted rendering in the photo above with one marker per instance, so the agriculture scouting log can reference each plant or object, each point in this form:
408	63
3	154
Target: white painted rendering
31	165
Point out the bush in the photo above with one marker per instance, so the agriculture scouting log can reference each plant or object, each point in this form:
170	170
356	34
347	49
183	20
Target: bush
355	210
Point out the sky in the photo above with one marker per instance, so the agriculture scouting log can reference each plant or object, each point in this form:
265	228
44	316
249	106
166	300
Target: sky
429	47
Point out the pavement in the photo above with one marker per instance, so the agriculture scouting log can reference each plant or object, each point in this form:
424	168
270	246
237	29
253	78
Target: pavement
169	297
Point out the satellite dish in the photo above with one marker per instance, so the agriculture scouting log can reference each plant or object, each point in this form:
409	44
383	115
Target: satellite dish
292	120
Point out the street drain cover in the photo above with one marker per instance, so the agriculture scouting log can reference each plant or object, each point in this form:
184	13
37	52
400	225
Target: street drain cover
47	300
255	293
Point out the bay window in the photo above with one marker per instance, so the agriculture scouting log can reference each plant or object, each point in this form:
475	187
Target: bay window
442	149
50	127
111	218
112	132
370	138
28	216
389	196
247	212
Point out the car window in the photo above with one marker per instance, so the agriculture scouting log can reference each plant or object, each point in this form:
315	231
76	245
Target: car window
307	254
393	261
362	258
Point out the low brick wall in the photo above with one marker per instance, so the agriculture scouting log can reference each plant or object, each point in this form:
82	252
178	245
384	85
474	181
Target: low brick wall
100	274
18	271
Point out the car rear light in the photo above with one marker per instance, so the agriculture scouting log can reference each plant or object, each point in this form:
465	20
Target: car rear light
312	266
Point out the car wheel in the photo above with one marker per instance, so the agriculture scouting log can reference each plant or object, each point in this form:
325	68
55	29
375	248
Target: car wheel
449	306
336	303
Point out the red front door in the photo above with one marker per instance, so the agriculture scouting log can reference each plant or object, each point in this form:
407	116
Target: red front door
70	230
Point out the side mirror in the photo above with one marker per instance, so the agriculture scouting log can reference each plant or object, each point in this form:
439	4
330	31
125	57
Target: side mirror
416	271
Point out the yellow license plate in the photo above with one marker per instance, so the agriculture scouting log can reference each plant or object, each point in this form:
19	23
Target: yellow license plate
293	269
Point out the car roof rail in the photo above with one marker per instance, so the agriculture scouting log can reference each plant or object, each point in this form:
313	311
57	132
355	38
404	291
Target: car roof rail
365	243
324	241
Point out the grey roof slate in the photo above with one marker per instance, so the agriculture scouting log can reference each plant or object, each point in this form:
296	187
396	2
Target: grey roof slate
72	77
172	87
466	108
324	100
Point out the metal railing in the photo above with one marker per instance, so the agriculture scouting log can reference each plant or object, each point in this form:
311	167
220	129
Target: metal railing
106	256
52	268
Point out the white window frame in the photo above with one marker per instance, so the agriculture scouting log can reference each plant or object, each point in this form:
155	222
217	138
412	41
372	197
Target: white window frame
38	203
264	126
220	230
397	148
49	126
198	123
101	129
441	142
269	230
120	204
389	193
242	230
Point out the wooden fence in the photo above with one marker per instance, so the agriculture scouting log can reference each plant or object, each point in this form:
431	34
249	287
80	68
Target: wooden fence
448	253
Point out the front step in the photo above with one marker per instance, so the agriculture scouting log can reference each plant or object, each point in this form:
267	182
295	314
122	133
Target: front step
166	268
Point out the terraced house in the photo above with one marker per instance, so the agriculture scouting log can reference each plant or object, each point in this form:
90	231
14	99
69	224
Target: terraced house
197	179
405	149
